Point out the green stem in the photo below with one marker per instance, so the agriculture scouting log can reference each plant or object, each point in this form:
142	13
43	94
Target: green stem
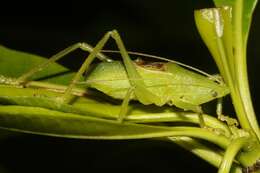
248	119
212	156
187	117
226	70
230	154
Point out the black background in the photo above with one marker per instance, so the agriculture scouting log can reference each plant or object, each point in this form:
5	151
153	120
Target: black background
164	28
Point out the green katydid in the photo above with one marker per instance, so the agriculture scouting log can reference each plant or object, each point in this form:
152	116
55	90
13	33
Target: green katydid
155	83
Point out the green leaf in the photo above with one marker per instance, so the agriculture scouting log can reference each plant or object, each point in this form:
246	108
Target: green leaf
54	123
248	9
14	63
215	28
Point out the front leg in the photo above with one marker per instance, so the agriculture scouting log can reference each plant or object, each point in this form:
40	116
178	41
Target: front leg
230	121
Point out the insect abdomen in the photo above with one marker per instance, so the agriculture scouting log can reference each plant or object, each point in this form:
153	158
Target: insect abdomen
110	78
169	82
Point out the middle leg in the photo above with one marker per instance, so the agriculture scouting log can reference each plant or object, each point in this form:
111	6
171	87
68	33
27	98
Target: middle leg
124	106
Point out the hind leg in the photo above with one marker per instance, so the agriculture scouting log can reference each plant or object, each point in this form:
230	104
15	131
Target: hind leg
83	46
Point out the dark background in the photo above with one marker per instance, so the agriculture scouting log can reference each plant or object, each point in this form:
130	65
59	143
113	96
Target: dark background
164	28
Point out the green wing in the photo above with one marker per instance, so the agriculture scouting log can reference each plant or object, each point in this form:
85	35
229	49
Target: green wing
171	84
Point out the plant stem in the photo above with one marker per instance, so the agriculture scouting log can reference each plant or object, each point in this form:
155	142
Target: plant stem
248	118
230	154
210	155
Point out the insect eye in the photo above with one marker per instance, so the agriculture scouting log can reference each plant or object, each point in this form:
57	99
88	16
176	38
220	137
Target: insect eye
214	93
170	103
